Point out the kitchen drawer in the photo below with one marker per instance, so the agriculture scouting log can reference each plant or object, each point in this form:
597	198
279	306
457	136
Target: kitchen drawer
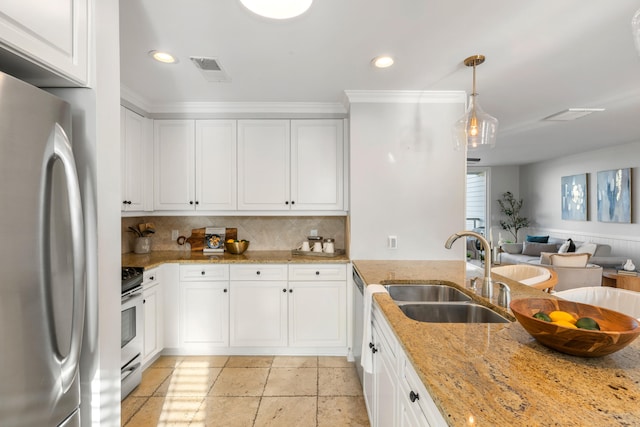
152	275
410	382
259	272
318	272
204	272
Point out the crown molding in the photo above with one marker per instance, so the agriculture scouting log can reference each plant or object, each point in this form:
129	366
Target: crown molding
144	106
405	96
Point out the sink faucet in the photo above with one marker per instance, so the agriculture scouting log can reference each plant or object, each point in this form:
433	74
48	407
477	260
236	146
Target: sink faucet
487	283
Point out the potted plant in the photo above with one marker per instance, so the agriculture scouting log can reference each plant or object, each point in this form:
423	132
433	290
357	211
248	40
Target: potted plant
510	207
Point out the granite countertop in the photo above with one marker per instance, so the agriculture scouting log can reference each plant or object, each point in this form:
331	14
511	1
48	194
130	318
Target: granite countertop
497	374
154	259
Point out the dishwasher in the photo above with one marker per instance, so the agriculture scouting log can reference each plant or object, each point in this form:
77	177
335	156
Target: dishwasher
358	317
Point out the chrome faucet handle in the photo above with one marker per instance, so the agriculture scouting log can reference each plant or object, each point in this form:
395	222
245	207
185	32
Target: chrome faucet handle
504	296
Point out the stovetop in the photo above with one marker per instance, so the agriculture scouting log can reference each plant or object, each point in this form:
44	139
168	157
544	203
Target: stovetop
131	278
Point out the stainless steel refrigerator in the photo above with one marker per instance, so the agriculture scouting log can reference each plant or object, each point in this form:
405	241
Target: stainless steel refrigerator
42	260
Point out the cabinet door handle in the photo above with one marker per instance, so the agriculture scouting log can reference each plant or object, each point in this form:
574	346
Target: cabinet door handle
370	345
374	350
414	396
224	290
317	273
197	202
293	202
258	272
286	203
284	290
152	278
290	291
144	301
202	272
191	202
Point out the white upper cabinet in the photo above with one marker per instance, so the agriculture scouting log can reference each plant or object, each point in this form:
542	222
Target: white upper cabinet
174	166
317	165
195	165
216	164
290	165
263	165
135	135
53	34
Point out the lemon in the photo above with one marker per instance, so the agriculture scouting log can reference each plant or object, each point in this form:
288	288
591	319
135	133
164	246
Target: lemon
565	324
587	323
229	240
562	315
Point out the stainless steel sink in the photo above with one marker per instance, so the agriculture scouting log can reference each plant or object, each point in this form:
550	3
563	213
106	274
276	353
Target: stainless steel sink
426	292
451	313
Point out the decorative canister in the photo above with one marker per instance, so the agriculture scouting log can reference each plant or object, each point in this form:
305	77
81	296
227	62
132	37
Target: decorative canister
629	265
142	245
329	245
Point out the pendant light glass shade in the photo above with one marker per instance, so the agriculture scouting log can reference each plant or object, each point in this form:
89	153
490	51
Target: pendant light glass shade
635	28
277	9
476	129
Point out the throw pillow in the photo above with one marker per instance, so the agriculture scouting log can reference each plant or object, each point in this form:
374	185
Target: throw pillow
572	246
534	249
537	239
587	248
570	260
564	248
512	248
545	258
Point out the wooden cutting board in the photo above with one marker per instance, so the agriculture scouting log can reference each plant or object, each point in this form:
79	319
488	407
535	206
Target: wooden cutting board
196	240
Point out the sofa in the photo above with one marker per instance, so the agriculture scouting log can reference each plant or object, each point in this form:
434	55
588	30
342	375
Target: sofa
533	252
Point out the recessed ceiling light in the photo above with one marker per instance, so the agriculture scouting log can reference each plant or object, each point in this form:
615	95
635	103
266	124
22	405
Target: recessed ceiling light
382	61
164	57
277	9
572	114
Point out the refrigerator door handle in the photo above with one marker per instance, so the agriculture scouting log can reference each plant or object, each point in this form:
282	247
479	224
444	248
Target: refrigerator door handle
59	148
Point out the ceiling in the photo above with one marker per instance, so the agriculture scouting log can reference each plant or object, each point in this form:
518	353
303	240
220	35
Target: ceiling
543	57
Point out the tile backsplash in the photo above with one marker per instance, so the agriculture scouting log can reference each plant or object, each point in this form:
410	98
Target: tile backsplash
264	232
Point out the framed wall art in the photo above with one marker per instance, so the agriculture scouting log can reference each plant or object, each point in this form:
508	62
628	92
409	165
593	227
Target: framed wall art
614	195
574	197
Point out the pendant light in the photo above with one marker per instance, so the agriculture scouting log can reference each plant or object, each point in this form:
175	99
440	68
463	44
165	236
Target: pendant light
476	129
277	9
635	28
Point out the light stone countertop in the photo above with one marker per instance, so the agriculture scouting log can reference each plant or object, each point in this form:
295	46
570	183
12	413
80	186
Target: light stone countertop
497	374
157	258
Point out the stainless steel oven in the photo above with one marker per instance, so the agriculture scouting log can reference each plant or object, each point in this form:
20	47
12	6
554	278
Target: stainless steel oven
131	330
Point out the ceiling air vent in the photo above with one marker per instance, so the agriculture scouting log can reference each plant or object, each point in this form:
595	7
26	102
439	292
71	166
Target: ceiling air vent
210	69
473	159
572	114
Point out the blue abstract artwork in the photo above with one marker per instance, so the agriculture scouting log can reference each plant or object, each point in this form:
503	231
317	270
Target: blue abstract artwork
574	197
614	195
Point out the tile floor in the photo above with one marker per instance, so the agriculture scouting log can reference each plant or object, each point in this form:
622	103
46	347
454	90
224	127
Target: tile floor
245	391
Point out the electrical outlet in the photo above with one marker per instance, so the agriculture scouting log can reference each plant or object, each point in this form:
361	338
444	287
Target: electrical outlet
174	234
392	242
313	233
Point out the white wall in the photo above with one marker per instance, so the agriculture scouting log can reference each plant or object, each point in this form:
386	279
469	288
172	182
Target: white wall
406	178
540	189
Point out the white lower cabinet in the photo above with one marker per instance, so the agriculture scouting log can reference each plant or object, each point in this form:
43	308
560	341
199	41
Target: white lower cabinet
153	304
204	307
255	309
394	394
317	305
258	313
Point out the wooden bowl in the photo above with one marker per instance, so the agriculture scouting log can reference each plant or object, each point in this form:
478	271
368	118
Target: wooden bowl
617	330
236	248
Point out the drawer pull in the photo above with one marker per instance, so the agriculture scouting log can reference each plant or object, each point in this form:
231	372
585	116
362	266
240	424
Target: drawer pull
258	272
413	396
284	290
202	272
317	273
152	278
224	290
290	291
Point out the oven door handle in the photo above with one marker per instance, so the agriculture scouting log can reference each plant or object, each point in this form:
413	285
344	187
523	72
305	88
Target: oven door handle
125	372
